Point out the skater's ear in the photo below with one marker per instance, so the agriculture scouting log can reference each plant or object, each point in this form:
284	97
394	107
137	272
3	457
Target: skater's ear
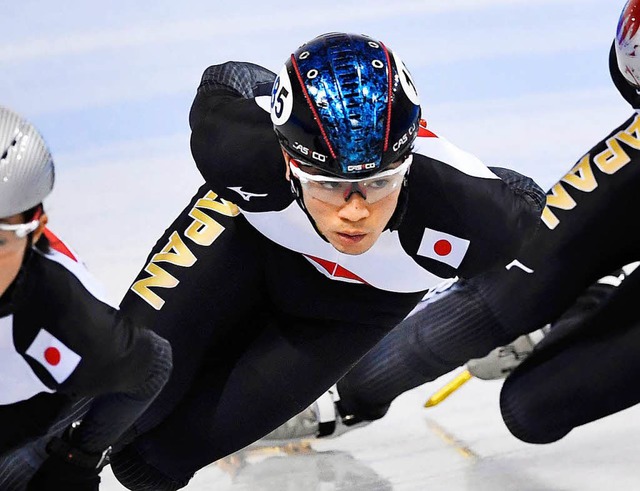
37	233
287	158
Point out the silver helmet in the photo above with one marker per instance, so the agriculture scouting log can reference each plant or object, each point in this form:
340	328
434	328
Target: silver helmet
26	166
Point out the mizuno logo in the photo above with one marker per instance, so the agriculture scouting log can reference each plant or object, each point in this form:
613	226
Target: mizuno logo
246	195
518	264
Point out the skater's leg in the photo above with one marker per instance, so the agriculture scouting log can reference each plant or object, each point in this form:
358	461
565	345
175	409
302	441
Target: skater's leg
282	371
578	375
587	235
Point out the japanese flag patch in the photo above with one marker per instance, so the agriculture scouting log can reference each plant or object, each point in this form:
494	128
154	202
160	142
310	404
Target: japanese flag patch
59	360
443	247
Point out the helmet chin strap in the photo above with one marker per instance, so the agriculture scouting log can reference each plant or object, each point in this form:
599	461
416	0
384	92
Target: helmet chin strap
296	190
28	252
401	207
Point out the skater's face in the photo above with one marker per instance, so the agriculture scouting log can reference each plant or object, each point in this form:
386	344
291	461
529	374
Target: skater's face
13	244
353	224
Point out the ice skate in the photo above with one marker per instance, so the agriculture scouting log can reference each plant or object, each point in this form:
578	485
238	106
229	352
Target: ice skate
320	420
501	361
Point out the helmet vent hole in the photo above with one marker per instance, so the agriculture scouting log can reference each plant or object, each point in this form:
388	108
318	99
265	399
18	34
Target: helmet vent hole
13	143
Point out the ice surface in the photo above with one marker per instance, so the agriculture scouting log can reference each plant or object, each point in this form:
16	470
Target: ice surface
458	445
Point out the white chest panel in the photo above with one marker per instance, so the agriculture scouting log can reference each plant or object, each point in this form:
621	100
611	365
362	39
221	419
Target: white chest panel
17	380
385	266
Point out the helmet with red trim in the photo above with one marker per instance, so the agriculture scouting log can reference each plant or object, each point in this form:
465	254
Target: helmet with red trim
26	166
345	104
627	43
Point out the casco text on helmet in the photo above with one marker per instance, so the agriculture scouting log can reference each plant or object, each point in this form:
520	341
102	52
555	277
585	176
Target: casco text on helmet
345	104
26	166
627	42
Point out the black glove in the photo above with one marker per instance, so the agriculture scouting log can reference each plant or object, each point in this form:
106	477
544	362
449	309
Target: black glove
68	468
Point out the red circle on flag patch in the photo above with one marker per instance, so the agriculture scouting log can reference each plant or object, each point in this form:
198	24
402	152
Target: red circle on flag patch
52	356
442	247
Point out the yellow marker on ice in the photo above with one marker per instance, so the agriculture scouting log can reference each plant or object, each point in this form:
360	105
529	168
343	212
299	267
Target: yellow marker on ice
449	389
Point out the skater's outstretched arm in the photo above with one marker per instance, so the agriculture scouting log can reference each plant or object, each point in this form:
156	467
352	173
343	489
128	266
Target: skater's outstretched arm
586	234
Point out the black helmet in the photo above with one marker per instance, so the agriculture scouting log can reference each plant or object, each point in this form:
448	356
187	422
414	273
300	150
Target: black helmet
345	104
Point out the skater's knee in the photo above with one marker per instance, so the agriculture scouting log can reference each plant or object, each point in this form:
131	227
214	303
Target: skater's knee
352	409
136	474
528	417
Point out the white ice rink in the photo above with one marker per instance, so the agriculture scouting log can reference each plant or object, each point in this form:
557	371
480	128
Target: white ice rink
459	445
520	83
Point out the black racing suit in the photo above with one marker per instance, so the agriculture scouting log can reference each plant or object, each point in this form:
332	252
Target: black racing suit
262	313
61	343
585	368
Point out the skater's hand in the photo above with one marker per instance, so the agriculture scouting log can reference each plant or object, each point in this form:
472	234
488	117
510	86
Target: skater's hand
68	468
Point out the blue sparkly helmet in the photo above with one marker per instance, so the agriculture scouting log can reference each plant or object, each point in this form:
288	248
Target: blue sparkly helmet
345	104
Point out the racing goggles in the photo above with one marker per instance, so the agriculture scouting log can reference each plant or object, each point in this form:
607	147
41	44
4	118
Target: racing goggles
336	191
21	229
